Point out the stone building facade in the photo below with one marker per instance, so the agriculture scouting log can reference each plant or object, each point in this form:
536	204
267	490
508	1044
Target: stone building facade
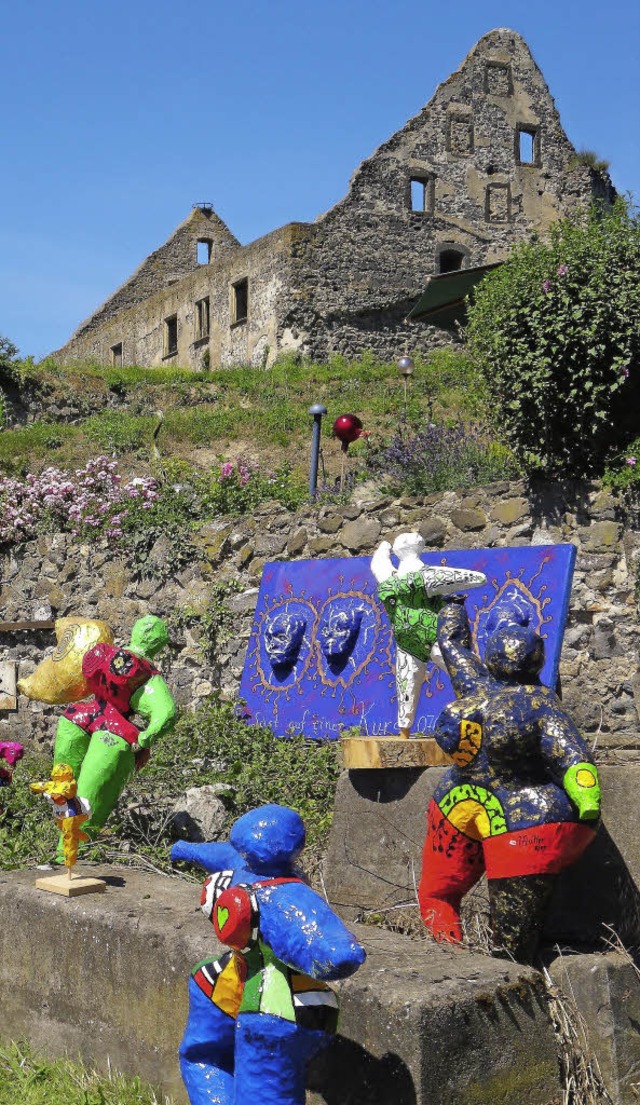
482	166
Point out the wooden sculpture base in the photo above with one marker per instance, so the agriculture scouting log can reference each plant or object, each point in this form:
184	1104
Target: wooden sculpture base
387	752
70	887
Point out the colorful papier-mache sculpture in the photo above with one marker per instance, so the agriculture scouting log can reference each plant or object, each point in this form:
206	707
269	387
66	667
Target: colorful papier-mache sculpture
259	1013
69	810
10	753
412	595
522	801
97	738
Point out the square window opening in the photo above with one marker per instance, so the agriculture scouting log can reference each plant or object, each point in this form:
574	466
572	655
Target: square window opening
527	146
240	301
202	318
422	194
450	260
116	355
203	251
170	335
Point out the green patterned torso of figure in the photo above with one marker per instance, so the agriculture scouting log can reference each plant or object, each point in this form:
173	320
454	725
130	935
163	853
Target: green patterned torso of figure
412	611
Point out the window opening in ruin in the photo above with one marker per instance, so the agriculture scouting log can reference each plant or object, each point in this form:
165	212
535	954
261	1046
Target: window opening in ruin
527	145
170	335
422	194
116	355
240	301
450	260
202	318
203	251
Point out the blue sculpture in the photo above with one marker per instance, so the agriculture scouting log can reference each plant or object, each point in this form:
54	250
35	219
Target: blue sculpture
282	639
259	1013
339	630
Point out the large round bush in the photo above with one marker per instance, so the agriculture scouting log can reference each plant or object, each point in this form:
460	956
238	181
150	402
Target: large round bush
556	333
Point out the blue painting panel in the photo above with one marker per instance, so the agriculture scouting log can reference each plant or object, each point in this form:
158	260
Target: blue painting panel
321	656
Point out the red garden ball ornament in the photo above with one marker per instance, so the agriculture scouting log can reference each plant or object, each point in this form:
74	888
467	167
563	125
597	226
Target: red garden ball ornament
348	428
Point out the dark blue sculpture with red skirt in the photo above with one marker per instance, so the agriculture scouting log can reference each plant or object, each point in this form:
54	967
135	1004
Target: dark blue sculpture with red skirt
522	801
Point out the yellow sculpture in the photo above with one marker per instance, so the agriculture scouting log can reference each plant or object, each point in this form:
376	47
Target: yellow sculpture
59	679
70	812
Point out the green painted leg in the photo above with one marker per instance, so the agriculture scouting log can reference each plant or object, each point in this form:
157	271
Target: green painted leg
71	745
107	766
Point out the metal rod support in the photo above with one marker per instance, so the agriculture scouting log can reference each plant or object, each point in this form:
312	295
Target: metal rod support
317	410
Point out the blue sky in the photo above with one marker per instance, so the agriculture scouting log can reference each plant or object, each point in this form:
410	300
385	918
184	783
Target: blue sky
118	115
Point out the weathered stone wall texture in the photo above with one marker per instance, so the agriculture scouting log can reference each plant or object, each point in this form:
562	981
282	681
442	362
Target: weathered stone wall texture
55	576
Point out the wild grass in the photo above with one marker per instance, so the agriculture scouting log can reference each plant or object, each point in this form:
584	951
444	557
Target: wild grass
236	409
28	1079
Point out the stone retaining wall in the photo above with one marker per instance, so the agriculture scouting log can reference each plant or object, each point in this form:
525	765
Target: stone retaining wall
55	576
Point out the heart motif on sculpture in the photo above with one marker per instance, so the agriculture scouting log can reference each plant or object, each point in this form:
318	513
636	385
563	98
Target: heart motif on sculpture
222	917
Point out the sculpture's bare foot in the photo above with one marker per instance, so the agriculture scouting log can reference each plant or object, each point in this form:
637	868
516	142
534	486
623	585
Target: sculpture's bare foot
405	734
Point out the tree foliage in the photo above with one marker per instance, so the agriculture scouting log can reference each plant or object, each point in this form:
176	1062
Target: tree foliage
556	333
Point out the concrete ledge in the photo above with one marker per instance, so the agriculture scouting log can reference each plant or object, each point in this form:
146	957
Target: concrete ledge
105	978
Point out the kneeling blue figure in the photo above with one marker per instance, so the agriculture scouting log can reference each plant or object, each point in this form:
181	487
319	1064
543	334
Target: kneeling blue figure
258	1014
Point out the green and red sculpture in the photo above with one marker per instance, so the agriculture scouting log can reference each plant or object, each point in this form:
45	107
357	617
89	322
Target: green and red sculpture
97	737
522	801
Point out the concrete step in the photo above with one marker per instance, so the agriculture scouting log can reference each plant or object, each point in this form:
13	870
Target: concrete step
104	977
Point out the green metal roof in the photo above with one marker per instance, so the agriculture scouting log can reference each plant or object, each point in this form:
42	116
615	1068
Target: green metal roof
448	290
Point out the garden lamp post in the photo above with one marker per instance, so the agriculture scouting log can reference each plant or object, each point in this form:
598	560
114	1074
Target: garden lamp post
317	410
405	368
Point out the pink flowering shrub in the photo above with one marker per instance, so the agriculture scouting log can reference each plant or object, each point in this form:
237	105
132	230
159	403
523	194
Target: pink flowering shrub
94	501
92	498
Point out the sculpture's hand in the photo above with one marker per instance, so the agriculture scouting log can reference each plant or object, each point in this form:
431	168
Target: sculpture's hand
381	562
582	786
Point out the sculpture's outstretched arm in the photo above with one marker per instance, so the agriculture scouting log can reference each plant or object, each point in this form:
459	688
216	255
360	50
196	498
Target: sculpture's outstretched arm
381	563
466	671
153	701
568	760
440	580
305	933
211	856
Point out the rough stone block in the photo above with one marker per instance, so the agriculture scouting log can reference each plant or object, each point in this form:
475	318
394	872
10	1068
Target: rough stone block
510	511
297	541
605	989
360	535
469	519
433	531
601	537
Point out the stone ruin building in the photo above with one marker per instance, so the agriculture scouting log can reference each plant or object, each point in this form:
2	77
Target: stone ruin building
482	166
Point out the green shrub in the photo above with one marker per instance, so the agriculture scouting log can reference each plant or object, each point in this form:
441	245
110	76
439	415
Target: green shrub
442	458
556	334
215	745
18	446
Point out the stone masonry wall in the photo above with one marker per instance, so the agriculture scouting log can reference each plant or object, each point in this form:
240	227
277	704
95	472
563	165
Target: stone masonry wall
54	576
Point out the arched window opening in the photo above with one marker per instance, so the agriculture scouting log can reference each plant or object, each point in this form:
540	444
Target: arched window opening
450	260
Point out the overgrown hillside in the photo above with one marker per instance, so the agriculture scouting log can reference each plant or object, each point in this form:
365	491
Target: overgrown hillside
73	412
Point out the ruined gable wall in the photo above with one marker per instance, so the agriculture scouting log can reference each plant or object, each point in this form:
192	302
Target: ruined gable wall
160	270
265	263
372	254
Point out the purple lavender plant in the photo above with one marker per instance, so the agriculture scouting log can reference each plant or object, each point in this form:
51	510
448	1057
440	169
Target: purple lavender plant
441	458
